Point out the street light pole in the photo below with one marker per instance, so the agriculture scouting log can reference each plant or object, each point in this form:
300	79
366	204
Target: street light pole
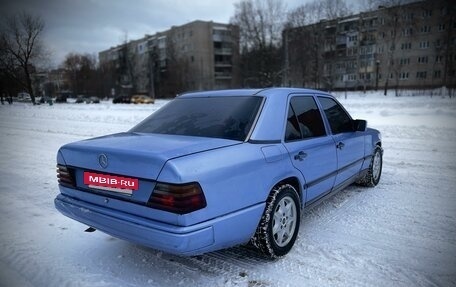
377	63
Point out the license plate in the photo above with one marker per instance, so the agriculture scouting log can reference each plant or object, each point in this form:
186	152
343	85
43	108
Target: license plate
113	183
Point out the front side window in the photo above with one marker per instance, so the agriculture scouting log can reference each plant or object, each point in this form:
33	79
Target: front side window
339	120
215	117
304	119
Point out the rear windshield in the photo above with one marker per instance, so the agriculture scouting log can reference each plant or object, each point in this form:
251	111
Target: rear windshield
215	117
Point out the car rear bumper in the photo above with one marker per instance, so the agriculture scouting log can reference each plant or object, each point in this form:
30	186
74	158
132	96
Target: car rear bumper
228	230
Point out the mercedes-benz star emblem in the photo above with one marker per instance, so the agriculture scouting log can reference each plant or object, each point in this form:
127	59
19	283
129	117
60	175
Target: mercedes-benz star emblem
103	160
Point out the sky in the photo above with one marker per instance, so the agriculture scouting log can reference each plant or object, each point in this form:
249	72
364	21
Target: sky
91	26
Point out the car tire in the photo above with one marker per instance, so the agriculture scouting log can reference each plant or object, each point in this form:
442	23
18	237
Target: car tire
374	172
279	226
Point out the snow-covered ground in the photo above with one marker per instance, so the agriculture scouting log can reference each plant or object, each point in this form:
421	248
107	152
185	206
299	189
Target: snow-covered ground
400	233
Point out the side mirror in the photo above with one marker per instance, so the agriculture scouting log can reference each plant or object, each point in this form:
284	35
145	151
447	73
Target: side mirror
360	125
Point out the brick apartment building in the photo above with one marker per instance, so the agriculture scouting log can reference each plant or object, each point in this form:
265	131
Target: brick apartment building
199	55
408	46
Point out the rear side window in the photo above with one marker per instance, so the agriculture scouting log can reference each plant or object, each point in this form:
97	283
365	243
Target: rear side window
215	117
304	119
339	120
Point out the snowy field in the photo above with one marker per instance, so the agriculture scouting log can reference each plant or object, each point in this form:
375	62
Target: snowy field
400	233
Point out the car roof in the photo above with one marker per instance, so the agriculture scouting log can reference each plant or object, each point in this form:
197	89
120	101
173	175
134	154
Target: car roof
267	92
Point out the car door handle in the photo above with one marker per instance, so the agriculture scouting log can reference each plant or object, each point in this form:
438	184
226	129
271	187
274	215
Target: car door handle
300	156
340	145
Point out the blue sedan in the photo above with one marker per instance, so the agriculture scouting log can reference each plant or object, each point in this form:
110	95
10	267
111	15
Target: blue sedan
215	169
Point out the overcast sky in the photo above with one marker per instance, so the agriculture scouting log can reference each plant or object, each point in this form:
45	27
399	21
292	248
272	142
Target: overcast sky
90	26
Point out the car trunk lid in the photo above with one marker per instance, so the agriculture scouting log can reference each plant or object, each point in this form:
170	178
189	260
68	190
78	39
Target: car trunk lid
135	158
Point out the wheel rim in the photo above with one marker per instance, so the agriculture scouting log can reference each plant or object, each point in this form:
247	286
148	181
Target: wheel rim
377	165
284	221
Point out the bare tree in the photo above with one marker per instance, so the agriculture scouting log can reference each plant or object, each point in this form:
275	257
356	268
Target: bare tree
127	65
333	9
21	49
260	24
449	76
315	11
304	40
398	27
106	79
80	71
179	76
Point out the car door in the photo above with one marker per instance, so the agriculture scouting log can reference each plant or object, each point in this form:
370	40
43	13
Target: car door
349	143
311	149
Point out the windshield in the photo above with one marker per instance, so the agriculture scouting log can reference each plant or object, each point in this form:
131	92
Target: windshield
215	117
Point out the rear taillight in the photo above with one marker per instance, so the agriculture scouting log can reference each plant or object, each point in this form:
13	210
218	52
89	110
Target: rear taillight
181	199
65	176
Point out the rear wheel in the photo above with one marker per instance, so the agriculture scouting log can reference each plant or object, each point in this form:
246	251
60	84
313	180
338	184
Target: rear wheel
375	169
279	225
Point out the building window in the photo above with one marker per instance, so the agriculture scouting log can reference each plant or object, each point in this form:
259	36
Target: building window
437	74
407	32
425	29
406	46
408	16
423	60
421	75
403	76
365	76
438	59
424	44
427	13
441	27
405	61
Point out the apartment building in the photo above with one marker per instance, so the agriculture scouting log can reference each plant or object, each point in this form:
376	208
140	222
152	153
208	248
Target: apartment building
199	55
408	46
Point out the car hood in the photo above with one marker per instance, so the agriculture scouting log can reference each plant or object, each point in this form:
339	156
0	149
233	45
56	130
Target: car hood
136	154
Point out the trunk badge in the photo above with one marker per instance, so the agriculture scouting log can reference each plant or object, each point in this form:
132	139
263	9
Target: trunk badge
103	160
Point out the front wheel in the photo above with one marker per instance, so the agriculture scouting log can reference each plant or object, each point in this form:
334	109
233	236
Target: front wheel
375	169
279	225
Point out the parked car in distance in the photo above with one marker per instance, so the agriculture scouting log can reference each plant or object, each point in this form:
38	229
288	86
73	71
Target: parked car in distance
23	97
215	169
86	99
92	100
60	99
140	99
80	99
121	100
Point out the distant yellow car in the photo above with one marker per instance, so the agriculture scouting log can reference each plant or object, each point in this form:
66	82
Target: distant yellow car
138	99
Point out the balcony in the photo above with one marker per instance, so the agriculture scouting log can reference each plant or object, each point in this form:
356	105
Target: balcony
223	51
222	64
221	38
222	76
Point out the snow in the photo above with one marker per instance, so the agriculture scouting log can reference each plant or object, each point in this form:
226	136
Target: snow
400	233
